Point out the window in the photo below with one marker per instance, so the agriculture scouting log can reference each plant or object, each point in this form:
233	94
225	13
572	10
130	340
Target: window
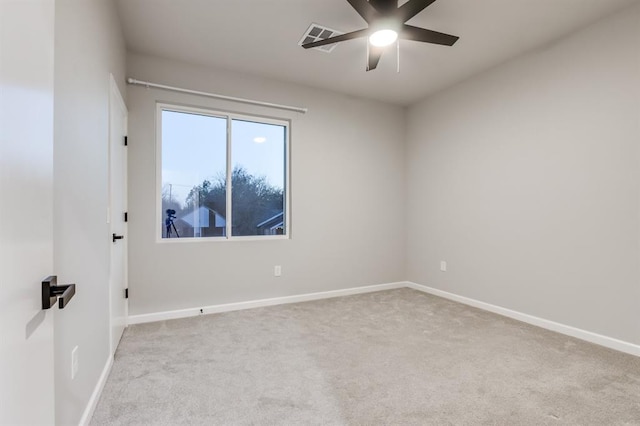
221	175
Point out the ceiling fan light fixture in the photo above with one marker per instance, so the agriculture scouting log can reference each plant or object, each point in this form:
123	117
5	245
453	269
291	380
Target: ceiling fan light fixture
383	38
386	22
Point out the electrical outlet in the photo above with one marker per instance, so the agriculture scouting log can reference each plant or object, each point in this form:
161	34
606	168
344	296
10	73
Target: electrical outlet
443	266
277	270
74	362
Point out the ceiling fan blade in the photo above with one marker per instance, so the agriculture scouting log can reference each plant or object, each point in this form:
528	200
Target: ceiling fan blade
342	37
384	6
364	9
374	57
409	32
412	8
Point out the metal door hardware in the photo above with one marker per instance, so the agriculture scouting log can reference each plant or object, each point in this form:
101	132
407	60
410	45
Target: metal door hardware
52	292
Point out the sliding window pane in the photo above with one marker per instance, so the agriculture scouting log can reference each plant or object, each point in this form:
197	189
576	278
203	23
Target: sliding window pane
258	178
193	175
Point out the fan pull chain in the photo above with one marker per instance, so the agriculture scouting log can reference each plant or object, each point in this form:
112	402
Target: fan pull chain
366	59
398	56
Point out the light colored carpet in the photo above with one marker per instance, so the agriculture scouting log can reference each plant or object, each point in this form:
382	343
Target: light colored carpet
395	357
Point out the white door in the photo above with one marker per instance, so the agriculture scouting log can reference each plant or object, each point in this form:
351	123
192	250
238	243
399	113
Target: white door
26	211
117	209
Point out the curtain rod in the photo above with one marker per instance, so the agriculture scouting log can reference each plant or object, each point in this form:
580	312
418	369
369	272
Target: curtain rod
216	96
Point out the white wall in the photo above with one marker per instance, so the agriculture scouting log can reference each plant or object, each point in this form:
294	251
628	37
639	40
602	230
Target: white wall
526	180
26	211
88	46
346	197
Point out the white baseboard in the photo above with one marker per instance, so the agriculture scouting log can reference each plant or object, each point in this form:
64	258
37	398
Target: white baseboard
228	307
598	339
588	336
97	391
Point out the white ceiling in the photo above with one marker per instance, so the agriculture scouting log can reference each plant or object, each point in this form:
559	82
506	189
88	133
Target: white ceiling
260	37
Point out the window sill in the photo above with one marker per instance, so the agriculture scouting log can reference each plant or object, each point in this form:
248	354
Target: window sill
222	239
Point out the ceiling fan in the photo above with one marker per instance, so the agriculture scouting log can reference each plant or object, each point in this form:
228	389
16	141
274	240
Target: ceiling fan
385	24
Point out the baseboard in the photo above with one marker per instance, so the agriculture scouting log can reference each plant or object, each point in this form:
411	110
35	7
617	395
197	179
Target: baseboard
588	336
598	339
97	391
192	312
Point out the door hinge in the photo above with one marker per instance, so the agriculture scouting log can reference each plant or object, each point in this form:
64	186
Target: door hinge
126	141
126	293
126	216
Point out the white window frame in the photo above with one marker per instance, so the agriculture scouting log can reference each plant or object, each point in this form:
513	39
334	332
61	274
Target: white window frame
229	116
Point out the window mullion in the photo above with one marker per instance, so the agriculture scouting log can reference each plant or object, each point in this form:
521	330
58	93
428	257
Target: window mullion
228	221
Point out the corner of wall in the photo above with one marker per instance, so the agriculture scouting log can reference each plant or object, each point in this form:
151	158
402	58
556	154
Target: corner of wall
81	246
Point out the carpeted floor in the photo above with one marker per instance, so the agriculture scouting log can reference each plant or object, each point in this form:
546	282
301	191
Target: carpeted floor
397	357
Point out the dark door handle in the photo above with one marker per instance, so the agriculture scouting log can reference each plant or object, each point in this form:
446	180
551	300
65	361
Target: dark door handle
117	237
52	292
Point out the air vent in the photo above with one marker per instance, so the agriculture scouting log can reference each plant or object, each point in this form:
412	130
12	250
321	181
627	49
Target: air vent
317	32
